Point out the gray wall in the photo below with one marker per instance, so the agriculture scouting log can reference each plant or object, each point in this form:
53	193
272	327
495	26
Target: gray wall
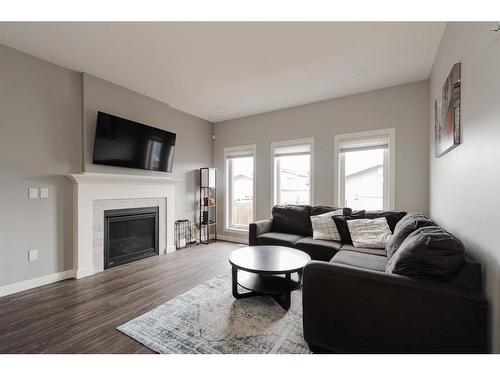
193	147
40	142
465	183
405	108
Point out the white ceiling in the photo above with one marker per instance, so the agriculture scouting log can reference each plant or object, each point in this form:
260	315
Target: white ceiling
220	71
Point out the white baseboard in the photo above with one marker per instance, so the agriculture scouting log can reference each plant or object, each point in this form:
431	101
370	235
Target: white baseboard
241	240
84	272
33	283
20	286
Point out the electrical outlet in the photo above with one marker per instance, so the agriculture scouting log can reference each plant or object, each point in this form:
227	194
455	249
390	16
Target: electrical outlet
44	192
33	193
32	255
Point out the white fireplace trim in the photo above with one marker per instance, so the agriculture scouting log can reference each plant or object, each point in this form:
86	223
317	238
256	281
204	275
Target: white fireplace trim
91	187
111	178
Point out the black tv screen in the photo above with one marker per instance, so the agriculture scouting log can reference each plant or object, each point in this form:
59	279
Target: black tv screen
126	143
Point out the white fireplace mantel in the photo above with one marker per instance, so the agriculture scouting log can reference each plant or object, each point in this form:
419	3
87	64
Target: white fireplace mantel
91	187
110	178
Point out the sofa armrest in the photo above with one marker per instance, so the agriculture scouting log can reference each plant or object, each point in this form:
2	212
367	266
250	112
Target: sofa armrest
258	228
349	309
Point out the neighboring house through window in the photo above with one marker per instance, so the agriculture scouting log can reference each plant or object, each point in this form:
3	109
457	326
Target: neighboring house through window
364	170
292	171
240	186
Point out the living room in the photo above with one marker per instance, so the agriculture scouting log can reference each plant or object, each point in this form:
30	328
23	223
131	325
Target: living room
249	187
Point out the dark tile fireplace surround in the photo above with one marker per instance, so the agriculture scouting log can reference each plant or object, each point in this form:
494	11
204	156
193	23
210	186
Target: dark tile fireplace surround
130	234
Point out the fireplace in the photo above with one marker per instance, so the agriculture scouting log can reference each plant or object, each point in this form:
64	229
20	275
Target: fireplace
130	234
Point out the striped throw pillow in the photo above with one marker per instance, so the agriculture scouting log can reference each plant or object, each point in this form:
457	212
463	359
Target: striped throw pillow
369	233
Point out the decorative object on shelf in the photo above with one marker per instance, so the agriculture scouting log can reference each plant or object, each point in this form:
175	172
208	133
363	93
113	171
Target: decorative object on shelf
208	201
195	233
208	205
447	113
185	234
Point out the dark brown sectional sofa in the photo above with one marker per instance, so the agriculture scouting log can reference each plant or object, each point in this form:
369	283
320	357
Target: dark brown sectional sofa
358	300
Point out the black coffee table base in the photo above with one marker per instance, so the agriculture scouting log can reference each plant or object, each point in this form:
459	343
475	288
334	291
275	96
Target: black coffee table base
278	286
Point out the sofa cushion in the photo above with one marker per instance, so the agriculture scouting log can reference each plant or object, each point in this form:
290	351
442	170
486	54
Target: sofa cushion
318	249
352	248
392	217
319	210
280	239
469	275
360	260
429	252
293	219
406	226
341	223
372	233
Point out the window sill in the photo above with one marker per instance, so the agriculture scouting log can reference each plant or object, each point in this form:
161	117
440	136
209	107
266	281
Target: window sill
236	230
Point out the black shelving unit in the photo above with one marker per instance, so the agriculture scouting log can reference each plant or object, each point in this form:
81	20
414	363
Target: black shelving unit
208	205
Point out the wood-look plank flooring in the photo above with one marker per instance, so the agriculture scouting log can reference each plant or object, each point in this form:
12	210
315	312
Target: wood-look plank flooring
81	316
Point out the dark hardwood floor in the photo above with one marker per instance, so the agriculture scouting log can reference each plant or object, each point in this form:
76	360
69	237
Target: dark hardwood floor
81	316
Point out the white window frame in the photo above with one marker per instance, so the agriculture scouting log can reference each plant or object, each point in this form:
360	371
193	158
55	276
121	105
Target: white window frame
292	142
252	149
390	162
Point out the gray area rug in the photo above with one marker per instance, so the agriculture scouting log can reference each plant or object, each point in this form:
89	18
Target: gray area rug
207	319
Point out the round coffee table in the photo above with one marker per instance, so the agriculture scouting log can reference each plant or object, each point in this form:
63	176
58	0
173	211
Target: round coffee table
268	270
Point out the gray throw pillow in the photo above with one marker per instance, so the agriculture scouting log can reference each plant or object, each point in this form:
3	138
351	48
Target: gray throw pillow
408	216
407	225
429	252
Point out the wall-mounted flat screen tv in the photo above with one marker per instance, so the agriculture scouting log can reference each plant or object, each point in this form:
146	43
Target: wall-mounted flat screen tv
129	144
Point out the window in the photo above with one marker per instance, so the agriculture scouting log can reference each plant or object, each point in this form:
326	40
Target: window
365	170
292	171
240	186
